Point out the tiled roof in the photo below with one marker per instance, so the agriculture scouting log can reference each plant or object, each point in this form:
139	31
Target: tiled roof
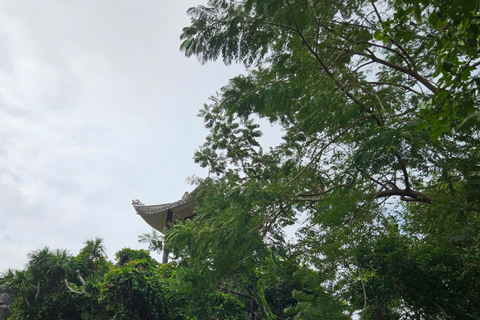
152	209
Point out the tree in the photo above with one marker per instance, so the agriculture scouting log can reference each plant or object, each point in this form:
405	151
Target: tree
94	257
53	286
154	240
378	101
133	290
94	250
136	287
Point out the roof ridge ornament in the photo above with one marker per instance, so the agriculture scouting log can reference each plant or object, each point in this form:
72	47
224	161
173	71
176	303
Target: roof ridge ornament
137	203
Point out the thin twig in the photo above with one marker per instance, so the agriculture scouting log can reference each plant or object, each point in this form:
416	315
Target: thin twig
363	287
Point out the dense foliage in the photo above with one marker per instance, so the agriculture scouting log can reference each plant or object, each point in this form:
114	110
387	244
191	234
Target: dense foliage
378	170
57	285
378	102
133	290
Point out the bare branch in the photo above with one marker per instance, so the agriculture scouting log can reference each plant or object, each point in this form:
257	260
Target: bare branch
395	85
38	291
410	72
73	290
406	195
363	288
315	194
404	171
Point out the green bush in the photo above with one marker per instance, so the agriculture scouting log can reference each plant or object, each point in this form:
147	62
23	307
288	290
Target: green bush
134	290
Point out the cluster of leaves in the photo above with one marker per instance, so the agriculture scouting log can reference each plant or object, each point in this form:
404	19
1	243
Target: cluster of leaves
379	104
133	290
57	285
53	287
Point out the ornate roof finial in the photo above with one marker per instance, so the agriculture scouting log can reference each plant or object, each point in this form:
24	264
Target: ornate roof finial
137	202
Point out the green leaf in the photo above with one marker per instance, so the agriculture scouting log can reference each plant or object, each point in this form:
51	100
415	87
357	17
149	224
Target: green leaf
417	13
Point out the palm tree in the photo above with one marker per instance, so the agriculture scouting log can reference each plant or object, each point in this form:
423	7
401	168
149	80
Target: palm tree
38	288
93	257
49	265
20	282
60	264
94	249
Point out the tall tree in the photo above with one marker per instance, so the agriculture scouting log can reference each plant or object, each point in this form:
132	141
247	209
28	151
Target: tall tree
378	101
52	286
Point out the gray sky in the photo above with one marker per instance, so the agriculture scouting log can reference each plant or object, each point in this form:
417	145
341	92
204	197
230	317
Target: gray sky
97	107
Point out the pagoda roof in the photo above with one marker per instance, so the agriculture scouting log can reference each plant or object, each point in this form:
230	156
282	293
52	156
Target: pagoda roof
156	215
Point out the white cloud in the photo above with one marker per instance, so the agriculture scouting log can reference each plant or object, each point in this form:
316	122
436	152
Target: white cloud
97	107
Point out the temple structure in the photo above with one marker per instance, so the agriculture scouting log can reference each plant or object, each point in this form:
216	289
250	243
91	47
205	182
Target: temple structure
161	216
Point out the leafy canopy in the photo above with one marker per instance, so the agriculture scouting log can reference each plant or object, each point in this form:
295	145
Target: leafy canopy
378	102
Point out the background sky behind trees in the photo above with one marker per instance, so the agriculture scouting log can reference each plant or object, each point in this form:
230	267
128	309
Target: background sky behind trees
97	107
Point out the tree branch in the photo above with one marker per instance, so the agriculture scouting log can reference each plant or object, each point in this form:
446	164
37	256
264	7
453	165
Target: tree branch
38	291
363	288
404	170
395	85
326	69
410	72
73	290
315	158
315	194
240	294
82	282
406	195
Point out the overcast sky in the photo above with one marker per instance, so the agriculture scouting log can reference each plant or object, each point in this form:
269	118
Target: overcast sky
97	107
